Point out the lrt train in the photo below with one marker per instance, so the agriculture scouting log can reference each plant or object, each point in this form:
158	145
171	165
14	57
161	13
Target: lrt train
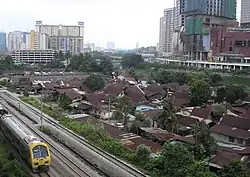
35	152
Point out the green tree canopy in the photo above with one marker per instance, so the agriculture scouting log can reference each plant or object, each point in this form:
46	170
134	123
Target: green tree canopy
235	168
106	66
198	169
64	101
143	153
200	92
202	137
95	82
131	60
83	62
165	77
125	106
173	161
235	92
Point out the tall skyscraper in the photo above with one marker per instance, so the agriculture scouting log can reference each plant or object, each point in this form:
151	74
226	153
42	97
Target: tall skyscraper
166	31
2	42
179	13
64	37
245	14
15	40
32	40
200	16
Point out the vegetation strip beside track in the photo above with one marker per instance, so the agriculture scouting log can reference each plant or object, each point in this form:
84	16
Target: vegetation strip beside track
60	155
9	167
94	134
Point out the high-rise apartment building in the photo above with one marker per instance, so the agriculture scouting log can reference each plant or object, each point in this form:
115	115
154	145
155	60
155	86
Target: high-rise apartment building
15	40
166	32
200	17
64	37
32	40
66	43
179	13
2	42
245	14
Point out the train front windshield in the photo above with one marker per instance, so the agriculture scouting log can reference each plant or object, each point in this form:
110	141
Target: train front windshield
40	152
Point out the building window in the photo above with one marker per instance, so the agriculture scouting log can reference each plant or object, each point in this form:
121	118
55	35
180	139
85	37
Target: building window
240	141
231	139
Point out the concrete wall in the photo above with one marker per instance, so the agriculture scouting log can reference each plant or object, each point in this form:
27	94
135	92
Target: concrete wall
225	139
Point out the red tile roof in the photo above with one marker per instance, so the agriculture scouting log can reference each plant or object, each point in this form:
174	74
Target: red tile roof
181	98
202	112
95	97
238	122
68	92
230	131
186	120
135	94
153	113
114	89
223	158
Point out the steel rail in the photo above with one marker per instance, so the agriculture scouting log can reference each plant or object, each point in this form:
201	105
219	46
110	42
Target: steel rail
86	143
58	153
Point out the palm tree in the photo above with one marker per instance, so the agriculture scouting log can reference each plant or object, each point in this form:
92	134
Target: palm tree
125	106
168	119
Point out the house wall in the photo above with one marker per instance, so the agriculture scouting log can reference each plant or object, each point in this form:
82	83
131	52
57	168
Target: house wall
224	41
226	139
101	114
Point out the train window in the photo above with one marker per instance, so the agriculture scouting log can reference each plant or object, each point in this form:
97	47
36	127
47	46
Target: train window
40	151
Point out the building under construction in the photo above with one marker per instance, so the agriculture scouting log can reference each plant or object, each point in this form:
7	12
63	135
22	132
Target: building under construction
200	17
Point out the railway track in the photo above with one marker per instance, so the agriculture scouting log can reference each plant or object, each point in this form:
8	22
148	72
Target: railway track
77	170
119	163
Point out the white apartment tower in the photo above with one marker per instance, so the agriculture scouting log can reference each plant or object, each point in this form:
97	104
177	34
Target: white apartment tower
166	32
64	37
245	13
15	40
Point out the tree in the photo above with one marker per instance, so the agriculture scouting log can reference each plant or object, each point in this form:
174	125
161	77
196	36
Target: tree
26	93
125	106
215	78
7	63
235	92
221	94
200	92
131	60
218	110
143	153
95	82
60	56
117	115
84	63
106	66
168	119
198	169
173	161
202	137
235	168
199	76
165	77
64	101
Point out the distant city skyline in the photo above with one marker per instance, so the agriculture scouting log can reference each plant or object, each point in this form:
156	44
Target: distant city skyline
125	21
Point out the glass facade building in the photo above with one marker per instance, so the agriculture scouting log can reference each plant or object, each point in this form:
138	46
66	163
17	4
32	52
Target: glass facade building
3	42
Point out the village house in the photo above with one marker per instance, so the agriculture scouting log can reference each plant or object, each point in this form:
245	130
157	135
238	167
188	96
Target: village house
232	130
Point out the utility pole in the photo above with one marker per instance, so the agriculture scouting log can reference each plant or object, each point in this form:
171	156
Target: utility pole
109	109
41	114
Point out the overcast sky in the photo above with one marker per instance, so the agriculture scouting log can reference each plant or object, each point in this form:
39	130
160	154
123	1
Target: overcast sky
123	21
